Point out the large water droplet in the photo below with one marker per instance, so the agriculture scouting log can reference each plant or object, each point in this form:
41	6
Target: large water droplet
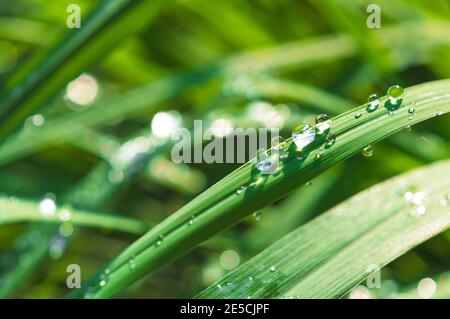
272	269
395	94
322	118
303	135
263	161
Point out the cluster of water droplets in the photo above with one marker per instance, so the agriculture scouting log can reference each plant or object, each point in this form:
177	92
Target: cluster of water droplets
415	199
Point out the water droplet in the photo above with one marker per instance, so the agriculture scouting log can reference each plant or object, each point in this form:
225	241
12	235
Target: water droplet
367	151
104	278
322	118
358	115
47	207
319	155
374	101
308	184
192	220
263	160
280	146
395	94
257	216
414	198
420	210
412	110
241	190
426	288
323	127
65	215
272	269
330	141
439	113
300	156
303	135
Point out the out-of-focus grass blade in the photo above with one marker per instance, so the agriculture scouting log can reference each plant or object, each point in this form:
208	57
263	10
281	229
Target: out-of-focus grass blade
46	74
291	55
14	210
330	255
223	205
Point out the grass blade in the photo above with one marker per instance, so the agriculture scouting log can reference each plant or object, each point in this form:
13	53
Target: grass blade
330	255
221	205
46	74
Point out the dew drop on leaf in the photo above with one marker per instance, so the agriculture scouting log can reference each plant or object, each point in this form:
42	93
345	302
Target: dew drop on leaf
263	160
374	101
322	128
303	135
241	190
395	94
322	118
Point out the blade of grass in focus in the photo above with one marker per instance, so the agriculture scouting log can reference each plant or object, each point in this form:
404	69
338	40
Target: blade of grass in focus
331	254
222	205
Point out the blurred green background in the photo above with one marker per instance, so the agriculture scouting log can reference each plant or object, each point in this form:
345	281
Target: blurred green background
309	57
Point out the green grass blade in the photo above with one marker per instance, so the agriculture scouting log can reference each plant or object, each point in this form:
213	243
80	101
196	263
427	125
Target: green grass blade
221	205
293	55
328	256
19	210
46	74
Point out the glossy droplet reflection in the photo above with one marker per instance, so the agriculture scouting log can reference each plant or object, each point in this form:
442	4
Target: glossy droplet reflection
303	135
374	102
263	161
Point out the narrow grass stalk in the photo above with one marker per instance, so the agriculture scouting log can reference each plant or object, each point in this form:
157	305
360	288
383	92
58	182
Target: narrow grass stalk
14	210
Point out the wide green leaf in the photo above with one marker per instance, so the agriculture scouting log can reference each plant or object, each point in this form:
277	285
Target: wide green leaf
244	191
331	254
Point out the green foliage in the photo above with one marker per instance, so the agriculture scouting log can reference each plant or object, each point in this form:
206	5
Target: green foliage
211	60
